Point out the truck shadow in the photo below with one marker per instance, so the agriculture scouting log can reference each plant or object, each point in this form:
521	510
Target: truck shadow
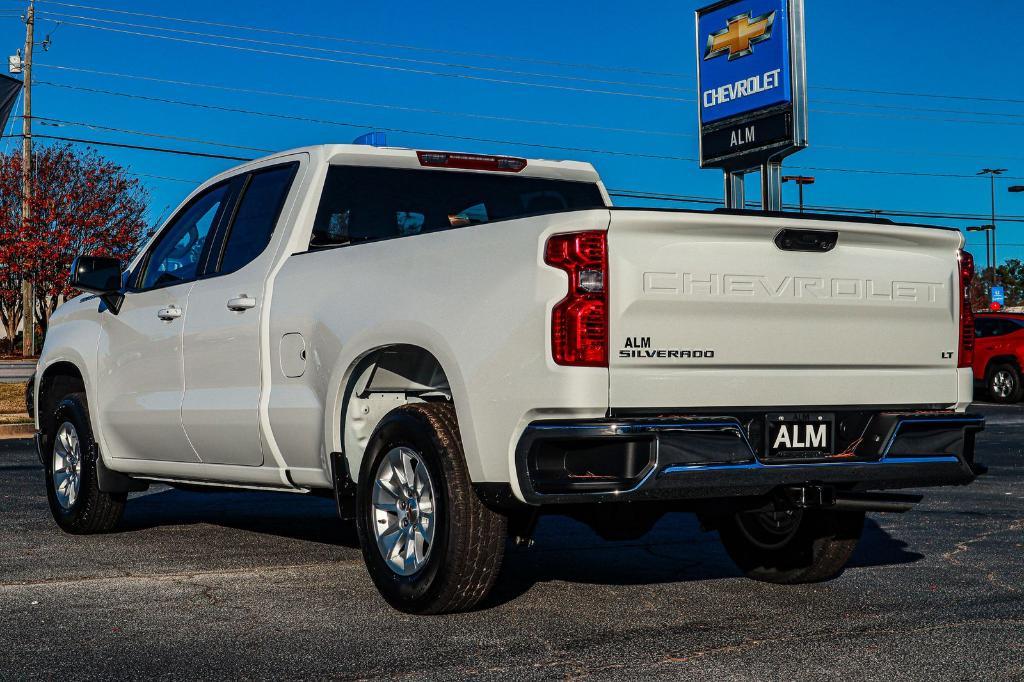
676	550
284	515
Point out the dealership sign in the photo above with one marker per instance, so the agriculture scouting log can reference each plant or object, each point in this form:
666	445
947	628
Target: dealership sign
752	82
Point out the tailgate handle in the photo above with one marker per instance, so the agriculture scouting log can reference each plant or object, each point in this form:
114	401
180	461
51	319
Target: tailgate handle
818	241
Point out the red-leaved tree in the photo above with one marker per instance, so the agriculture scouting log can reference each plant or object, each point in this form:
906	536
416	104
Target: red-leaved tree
81	203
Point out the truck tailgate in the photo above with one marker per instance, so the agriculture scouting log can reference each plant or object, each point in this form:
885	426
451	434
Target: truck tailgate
707	311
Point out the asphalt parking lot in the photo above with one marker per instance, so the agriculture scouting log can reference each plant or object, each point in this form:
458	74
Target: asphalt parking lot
211	585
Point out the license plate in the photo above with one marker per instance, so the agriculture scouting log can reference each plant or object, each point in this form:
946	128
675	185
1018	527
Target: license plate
795	435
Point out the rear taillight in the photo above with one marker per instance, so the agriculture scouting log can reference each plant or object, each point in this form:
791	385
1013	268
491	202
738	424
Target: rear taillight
966	355
579	322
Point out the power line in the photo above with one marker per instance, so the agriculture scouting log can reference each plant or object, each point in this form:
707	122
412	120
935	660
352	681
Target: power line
623	193
920	152
57	122
875	171
129	131
351	53
904	107
120	145
387	67
898	93
503	81
510	119
348	124
354	41
451	65
910	117
908	213
195	183
126	171
394	107
577	65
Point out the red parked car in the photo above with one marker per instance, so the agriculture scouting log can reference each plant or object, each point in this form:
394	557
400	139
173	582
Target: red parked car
999	354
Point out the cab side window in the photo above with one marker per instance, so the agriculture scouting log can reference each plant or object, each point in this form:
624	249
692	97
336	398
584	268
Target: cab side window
176	256
260	206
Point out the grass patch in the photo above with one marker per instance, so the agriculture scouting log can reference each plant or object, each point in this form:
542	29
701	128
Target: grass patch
12	399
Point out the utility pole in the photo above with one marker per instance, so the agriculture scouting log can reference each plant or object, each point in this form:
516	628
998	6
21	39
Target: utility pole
28	316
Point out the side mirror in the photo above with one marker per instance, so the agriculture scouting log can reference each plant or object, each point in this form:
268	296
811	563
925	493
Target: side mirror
99	275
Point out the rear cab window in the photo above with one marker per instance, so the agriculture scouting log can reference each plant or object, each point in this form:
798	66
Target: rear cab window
363	204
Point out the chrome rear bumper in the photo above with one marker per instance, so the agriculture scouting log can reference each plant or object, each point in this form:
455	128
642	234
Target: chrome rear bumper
701	457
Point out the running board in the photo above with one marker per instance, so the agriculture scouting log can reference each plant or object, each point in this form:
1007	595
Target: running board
219	484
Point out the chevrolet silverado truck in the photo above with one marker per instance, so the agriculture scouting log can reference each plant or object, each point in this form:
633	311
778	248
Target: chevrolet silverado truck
451	345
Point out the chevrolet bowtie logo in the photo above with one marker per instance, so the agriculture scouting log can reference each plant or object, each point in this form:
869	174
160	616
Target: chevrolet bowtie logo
740	33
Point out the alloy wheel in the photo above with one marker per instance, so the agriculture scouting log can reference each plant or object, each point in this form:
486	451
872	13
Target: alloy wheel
1002	383
403	510
67	465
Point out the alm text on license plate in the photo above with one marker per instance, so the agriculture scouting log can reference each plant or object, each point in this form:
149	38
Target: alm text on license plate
799	435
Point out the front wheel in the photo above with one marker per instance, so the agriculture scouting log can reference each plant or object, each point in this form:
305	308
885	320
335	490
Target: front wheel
72	489
791	546
429	543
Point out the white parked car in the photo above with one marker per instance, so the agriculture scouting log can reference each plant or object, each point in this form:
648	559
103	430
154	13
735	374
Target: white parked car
452	344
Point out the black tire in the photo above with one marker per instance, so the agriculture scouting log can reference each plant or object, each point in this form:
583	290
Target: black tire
30	406
92	511
1003	383
809	546
468	542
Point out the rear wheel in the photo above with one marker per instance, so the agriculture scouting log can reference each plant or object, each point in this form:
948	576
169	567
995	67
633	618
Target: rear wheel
791	546
1003	383
430	544
76	501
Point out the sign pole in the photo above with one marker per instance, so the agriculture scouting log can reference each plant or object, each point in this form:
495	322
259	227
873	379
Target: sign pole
771	186
734	189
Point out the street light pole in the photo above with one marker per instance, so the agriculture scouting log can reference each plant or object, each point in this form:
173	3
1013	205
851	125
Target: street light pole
992	173
986	229
800	181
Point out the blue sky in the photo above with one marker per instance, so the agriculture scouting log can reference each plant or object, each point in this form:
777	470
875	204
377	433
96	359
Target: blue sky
939	48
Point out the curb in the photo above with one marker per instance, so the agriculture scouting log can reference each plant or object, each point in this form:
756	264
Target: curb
17	430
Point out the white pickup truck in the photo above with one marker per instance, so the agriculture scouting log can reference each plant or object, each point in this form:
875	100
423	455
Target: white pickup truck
453	344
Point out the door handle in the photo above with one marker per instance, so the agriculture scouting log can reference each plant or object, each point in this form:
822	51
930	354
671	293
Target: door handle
243	302
170	313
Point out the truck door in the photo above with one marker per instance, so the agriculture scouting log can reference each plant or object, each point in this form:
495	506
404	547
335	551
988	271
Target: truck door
222	339
140	389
